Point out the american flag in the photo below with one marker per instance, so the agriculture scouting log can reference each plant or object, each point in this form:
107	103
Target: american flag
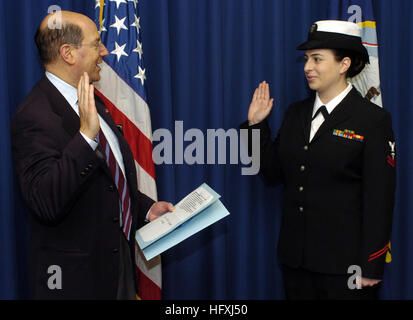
123	89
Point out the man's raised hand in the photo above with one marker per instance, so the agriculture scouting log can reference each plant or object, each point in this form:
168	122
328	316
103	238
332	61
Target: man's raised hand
89	119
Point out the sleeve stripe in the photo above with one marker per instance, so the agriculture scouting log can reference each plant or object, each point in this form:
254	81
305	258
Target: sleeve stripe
378	253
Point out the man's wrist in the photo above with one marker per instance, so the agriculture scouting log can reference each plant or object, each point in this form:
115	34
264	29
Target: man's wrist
92	143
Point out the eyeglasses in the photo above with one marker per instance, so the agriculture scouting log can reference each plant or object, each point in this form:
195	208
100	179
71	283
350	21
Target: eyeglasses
97	45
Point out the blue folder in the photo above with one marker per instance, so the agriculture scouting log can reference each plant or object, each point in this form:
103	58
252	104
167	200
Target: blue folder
213	212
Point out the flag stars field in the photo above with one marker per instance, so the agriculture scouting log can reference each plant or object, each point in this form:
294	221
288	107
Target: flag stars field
136	24
118	2
138	49
103	29
135	2
141	75
119	51
119	24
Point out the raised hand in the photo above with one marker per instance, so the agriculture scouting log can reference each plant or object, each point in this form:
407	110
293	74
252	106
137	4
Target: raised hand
89	119
261	104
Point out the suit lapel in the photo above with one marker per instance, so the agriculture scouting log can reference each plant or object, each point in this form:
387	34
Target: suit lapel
104	113
70	120
341	112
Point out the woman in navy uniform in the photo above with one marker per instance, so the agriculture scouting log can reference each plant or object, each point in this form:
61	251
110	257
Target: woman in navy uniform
335	155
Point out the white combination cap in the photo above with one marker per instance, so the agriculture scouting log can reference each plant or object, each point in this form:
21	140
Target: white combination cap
337	26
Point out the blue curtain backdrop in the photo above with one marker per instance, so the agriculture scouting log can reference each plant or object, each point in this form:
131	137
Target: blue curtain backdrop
203	60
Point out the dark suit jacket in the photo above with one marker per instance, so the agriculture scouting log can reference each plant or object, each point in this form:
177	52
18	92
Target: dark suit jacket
339	193
71	196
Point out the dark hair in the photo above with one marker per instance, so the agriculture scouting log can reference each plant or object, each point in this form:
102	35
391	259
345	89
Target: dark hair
49	41
357	61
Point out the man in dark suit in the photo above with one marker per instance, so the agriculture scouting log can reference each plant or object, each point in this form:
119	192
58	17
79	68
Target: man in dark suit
335	155
77	173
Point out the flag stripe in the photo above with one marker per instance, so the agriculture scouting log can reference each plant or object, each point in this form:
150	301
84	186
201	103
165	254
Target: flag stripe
123	96
146	182
151	269
149	291
144	155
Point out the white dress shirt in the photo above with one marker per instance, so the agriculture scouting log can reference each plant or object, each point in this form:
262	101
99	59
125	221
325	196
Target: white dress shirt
318	121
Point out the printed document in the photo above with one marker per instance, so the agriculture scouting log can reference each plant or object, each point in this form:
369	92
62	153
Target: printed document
173	227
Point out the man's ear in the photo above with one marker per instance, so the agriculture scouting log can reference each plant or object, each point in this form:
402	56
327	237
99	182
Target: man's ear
67	53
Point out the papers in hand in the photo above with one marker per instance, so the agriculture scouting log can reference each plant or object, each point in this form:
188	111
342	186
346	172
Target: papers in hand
192	204
193	213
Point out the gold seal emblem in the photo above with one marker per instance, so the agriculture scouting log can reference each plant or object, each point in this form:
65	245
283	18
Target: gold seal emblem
313	28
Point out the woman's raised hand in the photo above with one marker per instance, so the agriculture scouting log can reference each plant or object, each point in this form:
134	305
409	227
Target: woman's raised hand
261	104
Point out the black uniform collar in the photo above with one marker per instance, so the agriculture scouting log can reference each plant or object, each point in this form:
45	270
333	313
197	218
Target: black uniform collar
341	112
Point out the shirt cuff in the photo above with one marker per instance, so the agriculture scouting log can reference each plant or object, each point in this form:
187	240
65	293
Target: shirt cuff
92	143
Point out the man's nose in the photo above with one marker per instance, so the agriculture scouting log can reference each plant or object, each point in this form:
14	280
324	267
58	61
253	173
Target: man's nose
103	51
